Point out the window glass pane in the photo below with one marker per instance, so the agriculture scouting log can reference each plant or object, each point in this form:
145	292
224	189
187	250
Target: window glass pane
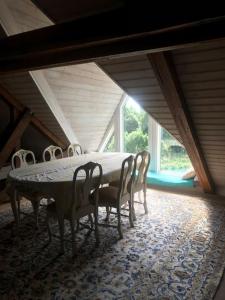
173	154
111	146
135	120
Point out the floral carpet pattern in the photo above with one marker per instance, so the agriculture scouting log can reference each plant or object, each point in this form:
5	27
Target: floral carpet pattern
174	252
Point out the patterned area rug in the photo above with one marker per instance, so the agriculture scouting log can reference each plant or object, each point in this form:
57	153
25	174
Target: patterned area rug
175	252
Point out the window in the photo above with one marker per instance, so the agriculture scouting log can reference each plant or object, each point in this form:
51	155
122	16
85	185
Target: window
111	145
173	155
133	130
135	127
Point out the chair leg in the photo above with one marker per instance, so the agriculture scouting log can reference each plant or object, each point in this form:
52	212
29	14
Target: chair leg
139	196
13	201
78	225
18	207
108	210
91	221
145	202
73	236
96	226
49	229
119	223
36	204
131	212
61	231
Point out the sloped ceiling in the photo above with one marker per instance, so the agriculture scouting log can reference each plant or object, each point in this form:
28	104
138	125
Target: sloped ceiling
88	99
2	32
201	72
38	141
85	94
22	86
136	77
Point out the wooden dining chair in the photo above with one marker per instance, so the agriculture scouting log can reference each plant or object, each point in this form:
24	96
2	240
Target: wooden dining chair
86	182
141	166
74	149
53	152
118	196
21	159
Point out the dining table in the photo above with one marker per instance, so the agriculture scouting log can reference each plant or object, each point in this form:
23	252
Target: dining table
53	179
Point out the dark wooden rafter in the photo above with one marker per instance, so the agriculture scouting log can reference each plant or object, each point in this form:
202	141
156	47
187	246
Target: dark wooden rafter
73	42
165	72
11	122
34	120
71	11
19	128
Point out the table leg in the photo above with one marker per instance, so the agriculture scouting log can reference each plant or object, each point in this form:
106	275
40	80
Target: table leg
14	208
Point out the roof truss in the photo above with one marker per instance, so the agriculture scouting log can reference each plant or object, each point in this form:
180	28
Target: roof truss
19	127
34	120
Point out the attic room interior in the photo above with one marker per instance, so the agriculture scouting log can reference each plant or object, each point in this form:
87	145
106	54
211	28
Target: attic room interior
112	162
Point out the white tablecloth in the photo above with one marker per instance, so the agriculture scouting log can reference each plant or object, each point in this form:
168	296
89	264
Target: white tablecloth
53	179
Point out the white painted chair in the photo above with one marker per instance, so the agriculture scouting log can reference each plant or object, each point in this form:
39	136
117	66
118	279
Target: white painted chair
52	151
141	165
140	177
81	204
74	149
119	196
23	157
26	158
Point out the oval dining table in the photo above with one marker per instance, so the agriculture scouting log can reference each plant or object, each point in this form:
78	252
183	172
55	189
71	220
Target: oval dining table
53	179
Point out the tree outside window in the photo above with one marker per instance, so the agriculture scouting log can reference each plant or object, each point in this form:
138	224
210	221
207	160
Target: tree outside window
135	128
111	145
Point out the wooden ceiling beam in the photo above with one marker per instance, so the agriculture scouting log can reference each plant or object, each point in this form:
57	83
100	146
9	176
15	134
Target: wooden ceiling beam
34	120
15	136
73	42
8	97
59	12
165	72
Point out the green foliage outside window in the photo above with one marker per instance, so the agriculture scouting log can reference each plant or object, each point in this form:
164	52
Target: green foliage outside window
135	129
173	154
111	147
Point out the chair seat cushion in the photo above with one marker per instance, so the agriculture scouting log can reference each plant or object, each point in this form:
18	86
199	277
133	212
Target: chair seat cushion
108	196
137	186
117	184
114	183
80	213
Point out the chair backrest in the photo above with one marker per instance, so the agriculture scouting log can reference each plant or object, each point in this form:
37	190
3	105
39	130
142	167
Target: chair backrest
86	180
126	176
141	165
74	149
25	158
52	151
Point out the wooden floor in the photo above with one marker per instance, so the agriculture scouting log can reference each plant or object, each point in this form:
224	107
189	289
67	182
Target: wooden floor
220	294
